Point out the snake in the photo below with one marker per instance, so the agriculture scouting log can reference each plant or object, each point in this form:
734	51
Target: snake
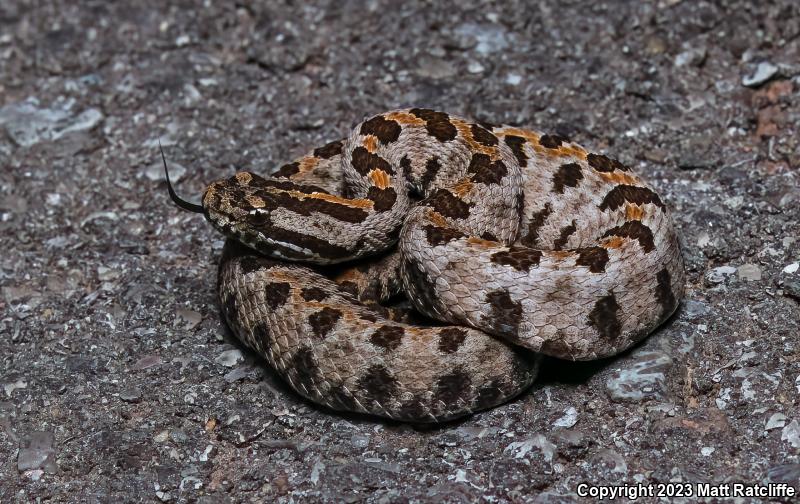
419	268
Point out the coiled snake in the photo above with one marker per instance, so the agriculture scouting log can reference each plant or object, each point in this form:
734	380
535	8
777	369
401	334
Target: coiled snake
508	241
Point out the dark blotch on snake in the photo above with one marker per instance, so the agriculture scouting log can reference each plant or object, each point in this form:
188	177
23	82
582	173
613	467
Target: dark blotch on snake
451	338
564	235
276	294
329	150
387	337
323	321
364	161
486	171
483	136
664	296
634	230
449	205
437	124
387	131
567	175
440	236
605	164
505	313
516	143
378	383
383	199
287	170
313	294
453	387
594	258
631	194
551	141
519	258
603	317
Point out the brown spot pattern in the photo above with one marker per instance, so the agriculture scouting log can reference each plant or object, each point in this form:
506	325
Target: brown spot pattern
437	124
567	175
603	317
483	136
448	205
378	383
432	167
664	295
485	171
537	221
634	230
384	199
323	321
505	314
594	258
287	170
516	143
564	235
276	294
451	338
313	294
519	258
387	337
621	194
329	150
453	387
363	161
387	131
439	236
551	141
603	163
305	369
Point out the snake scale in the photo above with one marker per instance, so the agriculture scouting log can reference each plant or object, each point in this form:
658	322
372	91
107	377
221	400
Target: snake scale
509	243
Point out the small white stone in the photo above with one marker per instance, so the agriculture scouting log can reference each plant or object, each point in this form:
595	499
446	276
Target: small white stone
475	67
230	358
776	421
569	419
749	272
791	268
764	72
707	450
513	79
182	40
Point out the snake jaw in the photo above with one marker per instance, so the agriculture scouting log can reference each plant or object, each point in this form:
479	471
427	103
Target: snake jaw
186	205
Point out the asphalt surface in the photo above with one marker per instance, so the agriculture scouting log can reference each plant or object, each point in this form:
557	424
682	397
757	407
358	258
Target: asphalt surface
120	383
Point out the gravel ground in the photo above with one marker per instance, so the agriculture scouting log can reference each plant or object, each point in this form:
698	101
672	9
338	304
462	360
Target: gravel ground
120	383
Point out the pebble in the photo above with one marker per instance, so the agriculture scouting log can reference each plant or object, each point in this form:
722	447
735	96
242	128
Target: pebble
643	379
230	358
359	441
520	449
190	318
131	395
36	452
776	421
238	374
691	57
791	268
791	434
475	67
569	419
749	272
27	124
764	72
435	68
718	274
147	361
791	288
155	171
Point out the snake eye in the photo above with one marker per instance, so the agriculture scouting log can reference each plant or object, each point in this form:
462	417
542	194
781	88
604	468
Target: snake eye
257	218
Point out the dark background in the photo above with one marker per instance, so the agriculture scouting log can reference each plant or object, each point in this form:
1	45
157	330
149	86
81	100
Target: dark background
118	381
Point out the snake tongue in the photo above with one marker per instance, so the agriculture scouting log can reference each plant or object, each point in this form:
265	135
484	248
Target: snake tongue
191	207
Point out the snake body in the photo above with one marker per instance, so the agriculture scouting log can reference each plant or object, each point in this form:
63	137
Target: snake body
510	242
